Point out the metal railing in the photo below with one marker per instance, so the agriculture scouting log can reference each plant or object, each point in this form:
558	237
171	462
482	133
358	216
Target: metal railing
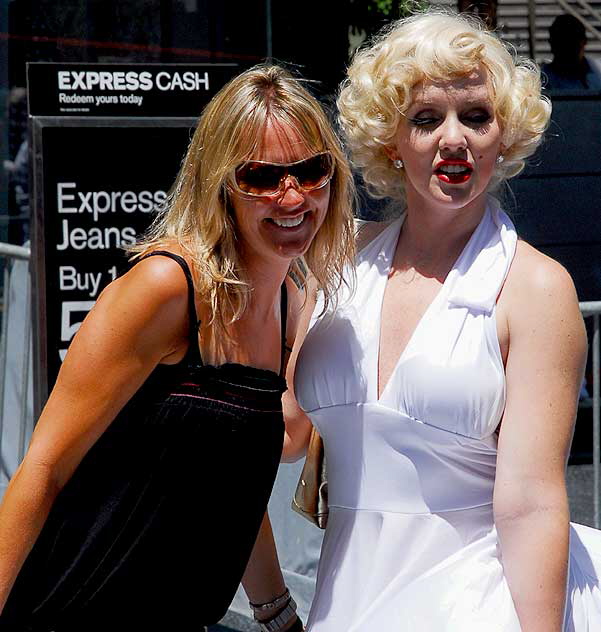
582	12
10	253
568	8
592	310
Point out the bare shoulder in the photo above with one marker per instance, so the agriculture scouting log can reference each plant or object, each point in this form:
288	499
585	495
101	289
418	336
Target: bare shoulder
366	231
538	278
539	301
159	278
146	308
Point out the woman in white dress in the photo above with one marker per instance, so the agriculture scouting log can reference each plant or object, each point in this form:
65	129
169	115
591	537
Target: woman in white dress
445	386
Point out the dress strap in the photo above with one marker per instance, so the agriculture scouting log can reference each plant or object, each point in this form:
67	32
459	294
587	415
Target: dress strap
283	320
479	273
193	350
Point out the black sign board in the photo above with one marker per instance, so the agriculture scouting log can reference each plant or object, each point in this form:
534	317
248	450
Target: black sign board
97	182
109	90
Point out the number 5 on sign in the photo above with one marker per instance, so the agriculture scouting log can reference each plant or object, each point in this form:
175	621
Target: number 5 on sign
69	326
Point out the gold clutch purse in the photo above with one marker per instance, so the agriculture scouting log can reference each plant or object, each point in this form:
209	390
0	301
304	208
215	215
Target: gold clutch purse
311	496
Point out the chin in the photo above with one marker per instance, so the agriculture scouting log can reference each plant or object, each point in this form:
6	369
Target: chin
290	246
292	251
455	196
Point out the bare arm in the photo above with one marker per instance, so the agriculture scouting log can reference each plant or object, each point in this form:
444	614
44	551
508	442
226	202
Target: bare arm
298	425
138	321
547	352
262	580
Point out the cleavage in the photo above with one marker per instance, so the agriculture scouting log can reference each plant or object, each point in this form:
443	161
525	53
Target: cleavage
407	297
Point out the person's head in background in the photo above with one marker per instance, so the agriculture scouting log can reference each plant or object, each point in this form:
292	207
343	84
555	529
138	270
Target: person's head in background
567	37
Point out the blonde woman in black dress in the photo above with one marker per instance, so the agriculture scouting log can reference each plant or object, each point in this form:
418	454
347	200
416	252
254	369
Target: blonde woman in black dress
151	465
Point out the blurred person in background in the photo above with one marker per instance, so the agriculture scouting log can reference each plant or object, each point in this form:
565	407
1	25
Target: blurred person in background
570	68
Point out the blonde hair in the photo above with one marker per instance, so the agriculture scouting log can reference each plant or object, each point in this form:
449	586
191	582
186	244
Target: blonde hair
435	46
197	214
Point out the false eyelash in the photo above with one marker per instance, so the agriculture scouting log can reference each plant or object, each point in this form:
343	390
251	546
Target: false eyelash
422	121
481	119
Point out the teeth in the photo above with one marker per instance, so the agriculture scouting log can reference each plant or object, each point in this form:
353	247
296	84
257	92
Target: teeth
289	223
453	169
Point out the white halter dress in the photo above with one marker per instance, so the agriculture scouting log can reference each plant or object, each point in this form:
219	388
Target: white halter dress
410	544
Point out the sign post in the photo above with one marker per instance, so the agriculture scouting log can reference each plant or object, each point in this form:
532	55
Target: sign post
107	142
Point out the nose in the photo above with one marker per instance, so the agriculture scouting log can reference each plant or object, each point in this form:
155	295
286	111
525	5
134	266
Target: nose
452	135
292	195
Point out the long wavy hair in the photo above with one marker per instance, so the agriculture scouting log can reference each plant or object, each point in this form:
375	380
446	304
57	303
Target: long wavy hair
197	215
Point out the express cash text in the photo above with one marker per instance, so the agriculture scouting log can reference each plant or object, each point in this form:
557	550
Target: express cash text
118	80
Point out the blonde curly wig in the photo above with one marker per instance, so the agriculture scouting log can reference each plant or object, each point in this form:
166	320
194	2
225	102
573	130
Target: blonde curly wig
435	46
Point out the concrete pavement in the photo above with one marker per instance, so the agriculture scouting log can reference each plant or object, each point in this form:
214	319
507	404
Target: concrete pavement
580	493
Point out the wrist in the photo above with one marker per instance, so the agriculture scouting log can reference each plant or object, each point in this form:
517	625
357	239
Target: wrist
278	615
270	609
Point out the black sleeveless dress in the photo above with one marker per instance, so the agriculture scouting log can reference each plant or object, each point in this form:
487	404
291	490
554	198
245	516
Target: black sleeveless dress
154	529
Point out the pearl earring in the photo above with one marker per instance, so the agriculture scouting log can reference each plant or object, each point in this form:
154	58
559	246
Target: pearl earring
398	164
500	159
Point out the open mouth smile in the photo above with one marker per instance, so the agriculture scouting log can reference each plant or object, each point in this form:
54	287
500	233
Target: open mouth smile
288	222
453	171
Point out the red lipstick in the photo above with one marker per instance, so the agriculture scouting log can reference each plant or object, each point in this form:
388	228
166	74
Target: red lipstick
453	171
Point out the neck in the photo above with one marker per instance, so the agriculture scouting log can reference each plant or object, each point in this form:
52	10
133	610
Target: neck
265	280
433	234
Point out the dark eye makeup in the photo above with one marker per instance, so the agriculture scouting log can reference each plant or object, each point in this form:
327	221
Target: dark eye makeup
478	117
473	117
423	120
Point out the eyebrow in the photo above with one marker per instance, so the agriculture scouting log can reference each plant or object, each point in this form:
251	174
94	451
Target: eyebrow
477	102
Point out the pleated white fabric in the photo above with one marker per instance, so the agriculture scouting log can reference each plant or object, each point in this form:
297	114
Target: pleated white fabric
411	544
